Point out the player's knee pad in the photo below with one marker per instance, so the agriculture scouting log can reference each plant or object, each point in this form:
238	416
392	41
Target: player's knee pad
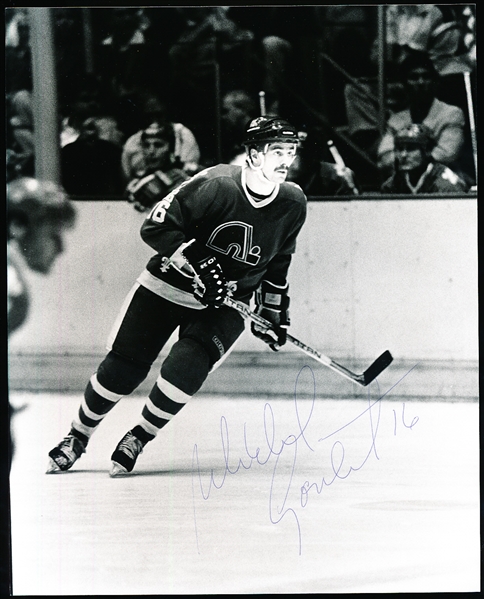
186	366
121	375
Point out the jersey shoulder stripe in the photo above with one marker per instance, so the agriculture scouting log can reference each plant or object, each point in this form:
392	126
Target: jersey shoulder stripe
294	185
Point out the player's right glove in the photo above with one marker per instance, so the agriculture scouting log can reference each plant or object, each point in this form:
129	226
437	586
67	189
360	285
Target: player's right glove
210	285
272	303
144	192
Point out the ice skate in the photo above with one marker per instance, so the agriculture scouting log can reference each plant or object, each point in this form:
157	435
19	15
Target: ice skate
62	457
125	455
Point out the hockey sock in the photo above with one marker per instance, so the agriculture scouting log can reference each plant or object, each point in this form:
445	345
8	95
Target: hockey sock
182	374
115	378
164	402
95	405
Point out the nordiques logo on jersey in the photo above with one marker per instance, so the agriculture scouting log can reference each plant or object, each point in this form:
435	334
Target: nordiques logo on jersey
234	239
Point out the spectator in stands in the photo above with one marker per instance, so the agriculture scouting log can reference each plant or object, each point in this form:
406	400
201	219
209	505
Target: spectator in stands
18	60
91	166
238	108
315	172
208	59
346	33
12	167
445	33
185	151
286	55
160	171
123	52
127	63
272	49
446	122
20	138
106	123
415	170
91	96
361	104
436	29
18	95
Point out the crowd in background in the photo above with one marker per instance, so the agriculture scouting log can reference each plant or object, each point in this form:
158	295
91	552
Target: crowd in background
172	89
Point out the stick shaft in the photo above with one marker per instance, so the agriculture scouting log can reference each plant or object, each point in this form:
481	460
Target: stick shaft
472	125
246	311
262	103
362	379
336	155
340	162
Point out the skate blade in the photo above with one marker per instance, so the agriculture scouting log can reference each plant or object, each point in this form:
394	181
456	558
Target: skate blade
117	470
52	467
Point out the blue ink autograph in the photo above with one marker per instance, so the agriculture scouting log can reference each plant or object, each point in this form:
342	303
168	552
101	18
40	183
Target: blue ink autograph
285	452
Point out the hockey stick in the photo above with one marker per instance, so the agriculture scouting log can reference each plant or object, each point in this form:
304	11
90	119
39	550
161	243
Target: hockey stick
364	379
340	162
262	103
472	124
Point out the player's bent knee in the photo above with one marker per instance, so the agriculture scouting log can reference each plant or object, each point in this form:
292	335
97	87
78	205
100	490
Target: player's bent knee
121	375
187	365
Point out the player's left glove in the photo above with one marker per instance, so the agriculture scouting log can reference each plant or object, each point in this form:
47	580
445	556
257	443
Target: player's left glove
272	303
144	192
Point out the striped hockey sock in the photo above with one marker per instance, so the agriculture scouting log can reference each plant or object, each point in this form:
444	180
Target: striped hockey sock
95	405
164	402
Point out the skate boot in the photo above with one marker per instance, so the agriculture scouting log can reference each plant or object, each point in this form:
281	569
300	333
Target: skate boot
125	455
62	457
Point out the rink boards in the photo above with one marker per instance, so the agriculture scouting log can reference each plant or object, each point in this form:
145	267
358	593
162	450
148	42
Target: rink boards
367	276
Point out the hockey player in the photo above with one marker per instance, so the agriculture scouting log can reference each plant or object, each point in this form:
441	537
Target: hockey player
415	171
160	171
235	228
38	213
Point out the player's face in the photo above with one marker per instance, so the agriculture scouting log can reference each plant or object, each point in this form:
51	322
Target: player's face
89	131
277	160
409	157
41	246
155	151
234	115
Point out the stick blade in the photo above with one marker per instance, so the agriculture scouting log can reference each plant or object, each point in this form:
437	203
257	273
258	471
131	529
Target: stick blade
377	367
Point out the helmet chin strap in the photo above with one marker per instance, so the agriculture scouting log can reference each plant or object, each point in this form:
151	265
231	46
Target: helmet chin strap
258	169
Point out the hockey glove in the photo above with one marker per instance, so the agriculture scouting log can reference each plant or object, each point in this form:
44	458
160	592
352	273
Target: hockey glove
144	192
272	303
210	286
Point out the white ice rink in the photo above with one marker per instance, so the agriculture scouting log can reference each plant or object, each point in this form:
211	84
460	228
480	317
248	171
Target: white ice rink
244	495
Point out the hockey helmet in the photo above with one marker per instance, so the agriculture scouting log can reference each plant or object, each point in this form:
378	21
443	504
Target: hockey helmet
415	134
157	131
31	201
262	130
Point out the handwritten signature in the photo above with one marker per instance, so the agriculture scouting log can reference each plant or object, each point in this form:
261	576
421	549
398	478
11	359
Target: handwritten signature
286	496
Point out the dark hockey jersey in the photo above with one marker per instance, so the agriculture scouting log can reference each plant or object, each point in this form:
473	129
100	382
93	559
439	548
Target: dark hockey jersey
252	240
438	178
